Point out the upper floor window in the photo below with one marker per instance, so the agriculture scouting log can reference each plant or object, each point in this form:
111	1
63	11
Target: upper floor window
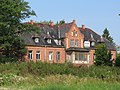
76	33
30	56
76	43
72	43
58	56
50	55
72	33
37	55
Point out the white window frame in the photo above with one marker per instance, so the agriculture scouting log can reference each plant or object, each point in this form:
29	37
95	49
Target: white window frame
36	40
58	56
72	43
30	54
38	56
76	43
50	55
49	40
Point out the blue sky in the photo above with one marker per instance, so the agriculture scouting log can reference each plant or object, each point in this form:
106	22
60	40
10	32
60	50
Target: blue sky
94	14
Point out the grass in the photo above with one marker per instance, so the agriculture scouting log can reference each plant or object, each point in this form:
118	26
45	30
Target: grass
67	84
43	76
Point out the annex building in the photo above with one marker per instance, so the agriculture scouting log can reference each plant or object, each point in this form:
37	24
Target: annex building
64	43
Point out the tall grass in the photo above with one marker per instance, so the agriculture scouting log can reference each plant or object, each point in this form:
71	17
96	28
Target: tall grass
48	76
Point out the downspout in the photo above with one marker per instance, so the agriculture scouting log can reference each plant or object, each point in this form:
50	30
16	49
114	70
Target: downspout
45	54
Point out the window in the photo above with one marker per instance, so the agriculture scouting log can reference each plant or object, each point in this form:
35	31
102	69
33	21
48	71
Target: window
58	56
76	56
71	43
36	40
72	33
76	43
76	33
81	56
50	56
49	40
37	55
30	55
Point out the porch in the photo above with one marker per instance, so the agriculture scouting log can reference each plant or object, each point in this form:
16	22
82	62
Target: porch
78	56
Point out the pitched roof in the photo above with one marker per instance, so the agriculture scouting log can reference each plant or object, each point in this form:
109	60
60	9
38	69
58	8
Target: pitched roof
90	34
58	32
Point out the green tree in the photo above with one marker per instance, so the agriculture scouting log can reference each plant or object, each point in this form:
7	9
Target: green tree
12	12
60	22
117	61
103	56
106	35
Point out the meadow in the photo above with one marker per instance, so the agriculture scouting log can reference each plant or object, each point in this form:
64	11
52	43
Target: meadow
46	76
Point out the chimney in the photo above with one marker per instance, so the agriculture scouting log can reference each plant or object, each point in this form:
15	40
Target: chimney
32	22
74	21
51	24
83	26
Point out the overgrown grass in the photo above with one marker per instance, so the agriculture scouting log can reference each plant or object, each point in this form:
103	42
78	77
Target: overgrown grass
46	76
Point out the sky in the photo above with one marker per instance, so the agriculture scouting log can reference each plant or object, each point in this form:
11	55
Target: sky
94	14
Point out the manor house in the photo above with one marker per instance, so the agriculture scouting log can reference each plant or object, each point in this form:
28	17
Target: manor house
64	43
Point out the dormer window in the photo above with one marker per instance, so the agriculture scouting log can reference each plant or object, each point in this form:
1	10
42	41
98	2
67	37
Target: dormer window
92	43
36	40
48	33
49	40
86	44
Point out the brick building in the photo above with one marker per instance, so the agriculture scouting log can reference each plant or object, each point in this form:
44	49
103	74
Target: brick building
64	43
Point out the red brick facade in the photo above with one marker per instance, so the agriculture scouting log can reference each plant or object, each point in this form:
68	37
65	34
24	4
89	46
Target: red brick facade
73	38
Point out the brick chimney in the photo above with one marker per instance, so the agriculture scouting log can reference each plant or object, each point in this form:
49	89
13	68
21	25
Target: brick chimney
32	22
83	26
51	24
74	21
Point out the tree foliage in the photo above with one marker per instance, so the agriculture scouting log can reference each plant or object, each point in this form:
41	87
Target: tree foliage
106	35
102	55
60	22
12	12
117	62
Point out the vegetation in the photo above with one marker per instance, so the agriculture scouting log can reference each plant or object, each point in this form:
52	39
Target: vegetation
60	22
106	35
12	12
34	76
102	55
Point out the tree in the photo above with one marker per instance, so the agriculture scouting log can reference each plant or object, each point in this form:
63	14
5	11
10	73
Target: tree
103	56
12	12
106	35
117	61
60	22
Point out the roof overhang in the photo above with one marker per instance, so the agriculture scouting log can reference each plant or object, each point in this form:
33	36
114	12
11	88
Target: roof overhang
76	49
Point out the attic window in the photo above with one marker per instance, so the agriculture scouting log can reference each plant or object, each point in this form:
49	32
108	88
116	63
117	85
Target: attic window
36	40
92	43
49	40
48	33
76	33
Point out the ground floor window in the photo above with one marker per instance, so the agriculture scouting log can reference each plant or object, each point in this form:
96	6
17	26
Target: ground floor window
37	55
30	56
50	55
81	56
57	56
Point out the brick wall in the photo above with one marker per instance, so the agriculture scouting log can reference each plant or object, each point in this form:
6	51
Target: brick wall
44	54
